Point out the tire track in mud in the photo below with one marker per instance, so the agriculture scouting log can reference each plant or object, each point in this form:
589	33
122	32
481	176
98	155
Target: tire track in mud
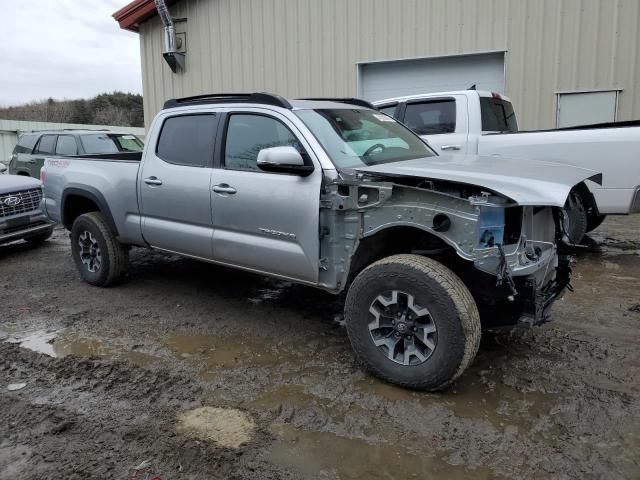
90	418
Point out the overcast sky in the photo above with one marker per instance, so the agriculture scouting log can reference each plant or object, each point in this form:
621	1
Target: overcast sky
65	49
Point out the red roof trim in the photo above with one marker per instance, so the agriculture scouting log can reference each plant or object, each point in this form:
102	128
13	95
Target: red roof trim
132	15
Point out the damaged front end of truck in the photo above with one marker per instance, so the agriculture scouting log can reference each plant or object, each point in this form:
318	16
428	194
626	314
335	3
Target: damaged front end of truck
504	251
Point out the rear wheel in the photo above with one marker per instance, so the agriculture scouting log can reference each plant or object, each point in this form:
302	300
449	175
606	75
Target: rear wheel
99	257
575	222
412	322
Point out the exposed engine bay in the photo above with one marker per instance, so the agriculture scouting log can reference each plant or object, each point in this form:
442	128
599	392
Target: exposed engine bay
506	254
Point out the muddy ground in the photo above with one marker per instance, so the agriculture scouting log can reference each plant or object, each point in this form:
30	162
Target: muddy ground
112	374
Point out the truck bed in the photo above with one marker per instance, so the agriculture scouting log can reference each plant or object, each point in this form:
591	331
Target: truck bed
112	180
627	124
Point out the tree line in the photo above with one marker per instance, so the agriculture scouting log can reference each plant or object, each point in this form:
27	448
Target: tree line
117	108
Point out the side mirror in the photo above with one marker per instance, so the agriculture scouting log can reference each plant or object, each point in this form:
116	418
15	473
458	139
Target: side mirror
283	160
3	168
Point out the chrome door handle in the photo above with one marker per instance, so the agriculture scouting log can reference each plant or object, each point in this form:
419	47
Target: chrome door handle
153	181
224	188
450	147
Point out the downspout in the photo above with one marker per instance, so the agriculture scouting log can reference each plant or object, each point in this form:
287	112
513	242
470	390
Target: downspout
171	55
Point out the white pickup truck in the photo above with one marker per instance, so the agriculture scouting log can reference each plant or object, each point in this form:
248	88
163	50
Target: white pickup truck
484	123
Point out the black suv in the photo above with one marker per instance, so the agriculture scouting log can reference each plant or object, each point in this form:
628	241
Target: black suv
28	156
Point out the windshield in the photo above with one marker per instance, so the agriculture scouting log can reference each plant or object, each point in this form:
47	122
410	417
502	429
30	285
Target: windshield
96	143
356	138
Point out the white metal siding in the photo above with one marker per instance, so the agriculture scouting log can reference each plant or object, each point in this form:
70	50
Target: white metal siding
312	47
409	77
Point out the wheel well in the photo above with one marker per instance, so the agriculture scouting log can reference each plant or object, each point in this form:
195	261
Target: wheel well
24	174
76	205
393	241
491	299
588	200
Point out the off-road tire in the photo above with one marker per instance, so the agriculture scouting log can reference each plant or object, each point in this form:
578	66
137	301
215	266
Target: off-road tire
594	221
577	220
114	255
452	308
39	238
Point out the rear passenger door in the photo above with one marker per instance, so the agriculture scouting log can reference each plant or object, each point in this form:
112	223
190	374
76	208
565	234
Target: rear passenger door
266	222
175	184
441	121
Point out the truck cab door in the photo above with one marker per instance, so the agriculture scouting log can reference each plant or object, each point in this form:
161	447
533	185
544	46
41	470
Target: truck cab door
264	221
174	184
441	121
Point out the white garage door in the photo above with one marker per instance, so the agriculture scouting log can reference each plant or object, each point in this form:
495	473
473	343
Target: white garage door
397	78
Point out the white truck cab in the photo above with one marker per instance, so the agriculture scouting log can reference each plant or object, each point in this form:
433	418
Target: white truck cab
484	123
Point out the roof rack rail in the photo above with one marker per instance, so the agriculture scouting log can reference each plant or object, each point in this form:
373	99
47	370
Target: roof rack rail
65	130
353	101
259	97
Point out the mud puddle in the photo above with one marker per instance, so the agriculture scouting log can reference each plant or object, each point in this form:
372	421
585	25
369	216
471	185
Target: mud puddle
316	453
487	399
63	343
213	354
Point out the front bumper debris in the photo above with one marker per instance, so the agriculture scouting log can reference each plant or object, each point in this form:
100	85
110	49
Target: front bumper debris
537	299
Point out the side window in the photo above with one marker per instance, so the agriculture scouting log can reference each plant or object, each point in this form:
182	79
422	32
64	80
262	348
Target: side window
46	145
66	145
248	134
389	110
433	117
187	140
26	143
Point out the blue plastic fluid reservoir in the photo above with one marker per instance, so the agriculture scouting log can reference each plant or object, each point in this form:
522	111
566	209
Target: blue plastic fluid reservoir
491	227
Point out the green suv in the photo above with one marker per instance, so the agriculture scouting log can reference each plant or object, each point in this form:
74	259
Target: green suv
28	155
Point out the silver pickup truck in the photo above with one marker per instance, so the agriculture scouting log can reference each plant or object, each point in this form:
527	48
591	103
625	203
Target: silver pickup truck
335	195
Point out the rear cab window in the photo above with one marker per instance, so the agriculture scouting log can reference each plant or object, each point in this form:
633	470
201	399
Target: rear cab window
389	109
26	142
188	140
497	115
431	117
129	143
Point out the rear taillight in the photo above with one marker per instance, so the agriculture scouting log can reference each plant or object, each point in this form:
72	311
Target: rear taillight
42	175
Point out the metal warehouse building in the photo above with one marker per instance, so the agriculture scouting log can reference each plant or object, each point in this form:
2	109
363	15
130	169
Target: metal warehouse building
562	62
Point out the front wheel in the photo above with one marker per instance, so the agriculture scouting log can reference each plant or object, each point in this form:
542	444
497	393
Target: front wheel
575	219
99	257
412	322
